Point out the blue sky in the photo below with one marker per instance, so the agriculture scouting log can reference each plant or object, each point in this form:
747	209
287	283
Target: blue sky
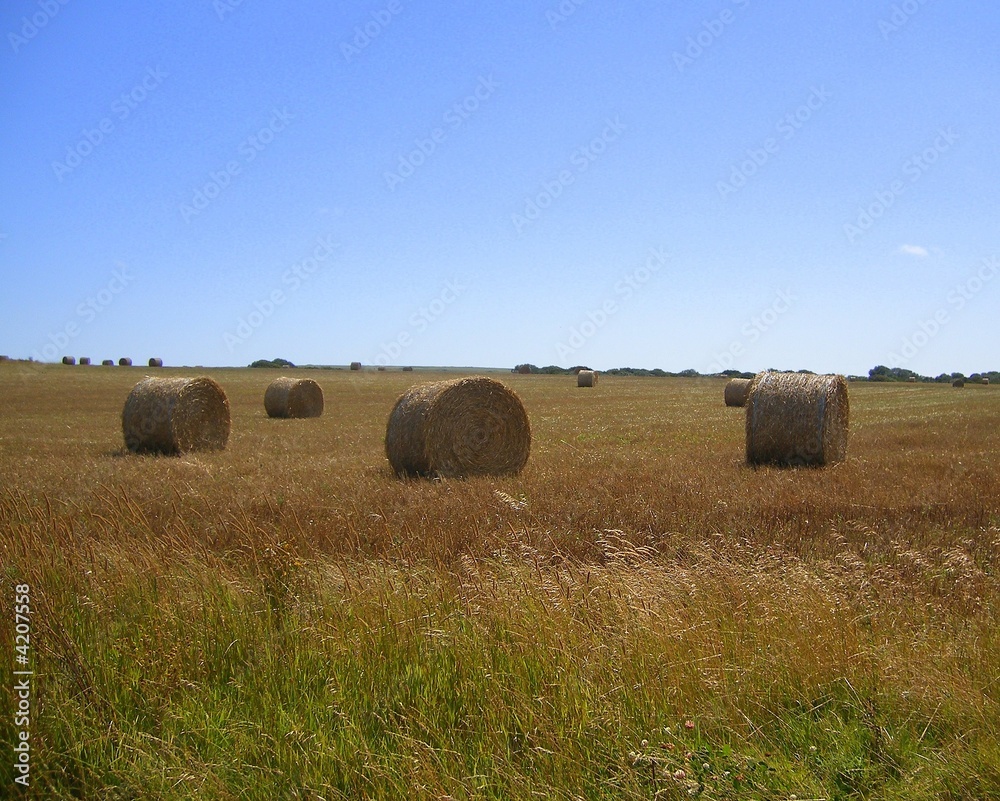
718	184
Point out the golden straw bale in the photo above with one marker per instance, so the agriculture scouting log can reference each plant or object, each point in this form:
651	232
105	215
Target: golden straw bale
174	415
464	427
796	419
293	397
736	392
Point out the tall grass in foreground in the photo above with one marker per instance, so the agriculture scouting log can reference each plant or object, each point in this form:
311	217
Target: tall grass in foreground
264	675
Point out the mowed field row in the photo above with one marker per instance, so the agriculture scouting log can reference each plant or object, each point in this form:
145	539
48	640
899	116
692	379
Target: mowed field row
637	612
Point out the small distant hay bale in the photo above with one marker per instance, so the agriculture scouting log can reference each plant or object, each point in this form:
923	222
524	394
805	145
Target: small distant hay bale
796	419
355	365
736	392
293	397
586	378
458	428
380	369
69	360
407	369
175	415
958	382
124	361
912	379
84	360
155	362
108	363
986	381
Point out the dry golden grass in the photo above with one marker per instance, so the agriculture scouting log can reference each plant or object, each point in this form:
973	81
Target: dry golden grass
636	573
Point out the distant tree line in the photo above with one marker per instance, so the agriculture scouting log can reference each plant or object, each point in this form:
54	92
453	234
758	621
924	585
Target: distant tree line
879	373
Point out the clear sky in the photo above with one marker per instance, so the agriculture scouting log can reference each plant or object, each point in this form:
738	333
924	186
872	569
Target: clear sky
699	185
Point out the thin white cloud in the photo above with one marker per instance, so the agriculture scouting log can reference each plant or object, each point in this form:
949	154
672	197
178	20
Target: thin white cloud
914	250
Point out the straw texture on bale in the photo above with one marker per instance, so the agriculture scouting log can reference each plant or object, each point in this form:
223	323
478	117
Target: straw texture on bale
452	429
958	382
293	397
355	365
69	360
736	391
124	361
155	362
586	378
174	415
796	419
84	360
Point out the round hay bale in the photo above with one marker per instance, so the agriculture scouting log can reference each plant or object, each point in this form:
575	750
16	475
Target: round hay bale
355	365
736	391
407	369
174	415
293	397
85	360
124	361
108	363
958	382
380	369
463	427
586	378
69	360
796	419
155	362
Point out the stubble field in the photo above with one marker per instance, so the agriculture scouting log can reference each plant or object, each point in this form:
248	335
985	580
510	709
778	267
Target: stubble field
636	615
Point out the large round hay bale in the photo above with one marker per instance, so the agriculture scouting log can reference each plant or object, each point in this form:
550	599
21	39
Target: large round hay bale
124	361
796	419
107	363
155	362
69	360
355	365
958	382
464	427
736	391
174	415
84	360
586	378
293	397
